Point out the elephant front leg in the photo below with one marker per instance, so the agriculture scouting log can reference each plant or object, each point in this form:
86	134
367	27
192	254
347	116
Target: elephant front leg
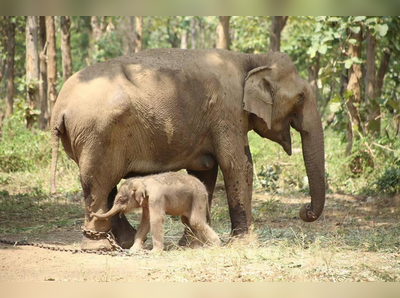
237	167
143	230
157	217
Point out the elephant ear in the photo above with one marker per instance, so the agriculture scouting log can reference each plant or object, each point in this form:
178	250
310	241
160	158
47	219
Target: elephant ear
139	194
258	97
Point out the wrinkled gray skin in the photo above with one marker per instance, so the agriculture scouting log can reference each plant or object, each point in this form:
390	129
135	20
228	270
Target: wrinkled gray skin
169	109
157	195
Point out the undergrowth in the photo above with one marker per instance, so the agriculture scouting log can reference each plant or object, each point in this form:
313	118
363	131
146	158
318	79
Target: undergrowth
346	244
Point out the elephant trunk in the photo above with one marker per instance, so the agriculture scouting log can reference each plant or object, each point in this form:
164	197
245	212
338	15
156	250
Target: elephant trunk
314	159
114	210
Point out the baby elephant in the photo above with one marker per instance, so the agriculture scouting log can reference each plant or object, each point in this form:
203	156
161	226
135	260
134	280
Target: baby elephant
168	193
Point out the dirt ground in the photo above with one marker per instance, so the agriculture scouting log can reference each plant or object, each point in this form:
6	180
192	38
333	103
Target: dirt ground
357	239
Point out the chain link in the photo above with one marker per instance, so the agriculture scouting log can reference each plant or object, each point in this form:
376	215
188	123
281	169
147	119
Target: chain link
101	235
116	249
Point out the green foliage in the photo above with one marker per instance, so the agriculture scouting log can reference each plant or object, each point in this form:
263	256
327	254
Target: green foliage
309	41
20	149
250	34
389	181
268	176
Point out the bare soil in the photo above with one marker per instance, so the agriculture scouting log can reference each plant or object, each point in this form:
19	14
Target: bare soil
357	239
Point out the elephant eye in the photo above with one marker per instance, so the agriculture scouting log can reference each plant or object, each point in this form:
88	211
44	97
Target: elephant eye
122	199
300	99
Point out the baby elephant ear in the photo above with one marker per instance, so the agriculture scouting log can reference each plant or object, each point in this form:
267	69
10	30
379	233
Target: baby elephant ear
139	195
258	97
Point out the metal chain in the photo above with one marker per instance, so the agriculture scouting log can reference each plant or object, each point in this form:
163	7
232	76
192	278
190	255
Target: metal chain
88	233
101	235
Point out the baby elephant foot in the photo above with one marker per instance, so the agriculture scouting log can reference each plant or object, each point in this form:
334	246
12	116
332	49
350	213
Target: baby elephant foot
138	245
157	249
190	240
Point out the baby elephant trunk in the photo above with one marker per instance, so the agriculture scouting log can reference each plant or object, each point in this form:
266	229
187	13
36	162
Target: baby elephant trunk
114	210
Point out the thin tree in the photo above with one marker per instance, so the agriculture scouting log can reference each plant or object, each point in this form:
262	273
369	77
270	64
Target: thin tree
223	39
3	44
44	113
66	47
202	34
354	88
373	119
51	63
128	35
3	59
193	40
32	68
382	71
96	30
139	33
10	66
184	38
313	70
277	25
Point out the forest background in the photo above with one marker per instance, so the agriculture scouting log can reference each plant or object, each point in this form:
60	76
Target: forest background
352	64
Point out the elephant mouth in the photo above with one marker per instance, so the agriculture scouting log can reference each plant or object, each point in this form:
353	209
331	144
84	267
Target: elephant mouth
287	140
287	146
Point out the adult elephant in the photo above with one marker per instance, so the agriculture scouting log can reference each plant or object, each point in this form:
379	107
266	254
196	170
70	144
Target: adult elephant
169	109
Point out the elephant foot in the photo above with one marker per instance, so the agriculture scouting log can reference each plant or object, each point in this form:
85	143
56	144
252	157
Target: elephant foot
91	244
123	232
189	240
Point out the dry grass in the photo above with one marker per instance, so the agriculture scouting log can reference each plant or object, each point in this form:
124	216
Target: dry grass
356	239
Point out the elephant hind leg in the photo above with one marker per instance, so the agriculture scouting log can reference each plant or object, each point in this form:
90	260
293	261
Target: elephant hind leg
92	203
208	178
203	231
99	192
190	237
122	230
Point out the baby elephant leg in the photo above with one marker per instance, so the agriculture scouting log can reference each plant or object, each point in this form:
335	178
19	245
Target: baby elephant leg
142	230
157	217
203	230
191	236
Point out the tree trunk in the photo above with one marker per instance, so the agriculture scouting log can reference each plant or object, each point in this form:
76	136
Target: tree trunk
66	47
128	35
202	35
193	40
184	39
3	61
382	71
3	43
44	113
354	86
374	111
51	63
277	25
10	64
139	34
95	34
32	68
223	39
313	76
98	28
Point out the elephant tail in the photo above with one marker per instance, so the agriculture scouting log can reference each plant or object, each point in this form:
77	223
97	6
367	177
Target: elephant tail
56	132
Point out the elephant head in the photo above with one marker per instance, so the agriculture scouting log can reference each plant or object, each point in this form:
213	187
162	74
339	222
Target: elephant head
130	196
278	99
